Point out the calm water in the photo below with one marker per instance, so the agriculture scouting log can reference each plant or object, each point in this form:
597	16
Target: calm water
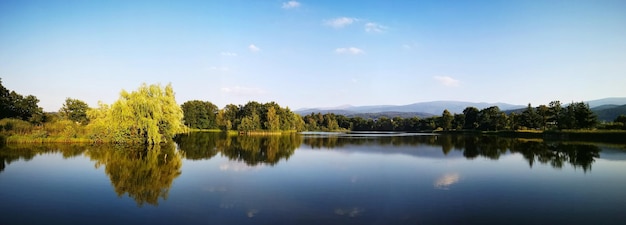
314	178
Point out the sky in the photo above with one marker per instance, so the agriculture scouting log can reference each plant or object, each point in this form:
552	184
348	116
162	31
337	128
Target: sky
318	53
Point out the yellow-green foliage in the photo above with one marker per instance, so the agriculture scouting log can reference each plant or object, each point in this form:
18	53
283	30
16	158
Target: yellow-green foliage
149	115
19	131
143	174
10	126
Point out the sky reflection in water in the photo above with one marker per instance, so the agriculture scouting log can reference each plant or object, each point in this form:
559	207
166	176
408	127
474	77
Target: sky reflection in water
316	180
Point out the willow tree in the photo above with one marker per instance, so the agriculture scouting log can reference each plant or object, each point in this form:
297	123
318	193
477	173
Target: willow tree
149	115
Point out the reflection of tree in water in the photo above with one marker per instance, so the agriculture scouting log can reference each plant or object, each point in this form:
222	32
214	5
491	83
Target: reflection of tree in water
10	153
143	174
340	141
472	146
556	154
199	145
252	150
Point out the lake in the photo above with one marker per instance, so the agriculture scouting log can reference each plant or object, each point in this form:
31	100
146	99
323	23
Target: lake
316	178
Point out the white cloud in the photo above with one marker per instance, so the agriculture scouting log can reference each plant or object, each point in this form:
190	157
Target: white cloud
228	54
253	48
243	91
374	28
290	5
447	81
340	22
350	50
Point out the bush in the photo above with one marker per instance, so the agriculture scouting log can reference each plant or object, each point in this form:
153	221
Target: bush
15	126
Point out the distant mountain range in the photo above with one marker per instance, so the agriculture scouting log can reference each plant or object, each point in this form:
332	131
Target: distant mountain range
607	109
609	112
421	109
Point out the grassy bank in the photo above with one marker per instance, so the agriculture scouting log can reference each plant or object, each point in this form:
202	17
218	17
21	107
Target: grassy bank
28	139
263	132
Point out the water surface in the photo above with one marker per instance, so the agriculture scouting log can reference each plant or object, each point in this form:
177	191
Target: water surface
315	178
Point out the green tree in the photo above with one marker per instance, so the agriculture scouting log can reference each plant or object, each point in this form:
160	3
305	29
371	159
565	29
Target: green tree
471	118
585	118
543	112
621	119
555	113
14	105
491	118
529	118
446	120
273	120
200	114
458	122
149	115
74	110
5	102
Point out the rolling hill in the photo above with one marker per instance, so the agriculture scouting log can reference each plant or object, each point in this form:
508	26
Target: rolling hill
422	109
607	109
609	112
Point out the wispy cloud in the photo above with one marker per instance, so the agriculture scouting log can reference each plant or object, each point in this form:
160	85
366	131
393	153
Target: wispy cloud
340	22
374	28
447	81
349	50
253	48
290	5
228	54
243	91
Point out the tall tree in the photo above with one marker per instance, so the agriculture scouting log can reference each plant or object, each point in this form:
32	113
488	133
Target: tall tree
446	120
200	114
555	113
585	118
471	118
544	113
14	105
273	120
74	110
491	118
529	118
458	122
149	115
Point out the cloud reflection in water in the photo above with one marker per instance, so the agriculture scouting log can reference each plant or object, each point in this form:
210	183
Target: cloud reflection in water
446	180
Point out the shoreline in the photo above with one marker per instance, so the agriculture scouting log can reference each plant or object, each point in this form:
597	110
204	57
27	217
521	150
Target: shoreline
607	136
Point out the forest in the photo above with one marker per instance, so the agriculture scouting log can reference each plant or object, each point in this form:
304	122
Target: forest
151	115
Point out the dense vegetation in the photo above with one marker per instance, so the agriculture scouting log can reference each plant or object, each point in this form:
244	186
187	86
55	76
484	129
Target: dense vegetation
555	116
14	105
151	115
252	116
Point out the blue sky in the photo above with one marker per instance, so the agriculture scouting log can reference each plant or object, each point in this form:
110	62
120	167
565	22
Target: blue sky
316	53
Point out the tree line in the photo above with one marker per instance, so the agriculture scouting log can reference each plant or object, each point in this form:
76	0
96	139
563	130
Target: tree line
253	116
555	116
151	115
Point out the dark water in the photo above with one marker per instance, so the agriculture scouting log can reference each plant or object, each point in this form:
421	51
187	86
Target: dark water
316	179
